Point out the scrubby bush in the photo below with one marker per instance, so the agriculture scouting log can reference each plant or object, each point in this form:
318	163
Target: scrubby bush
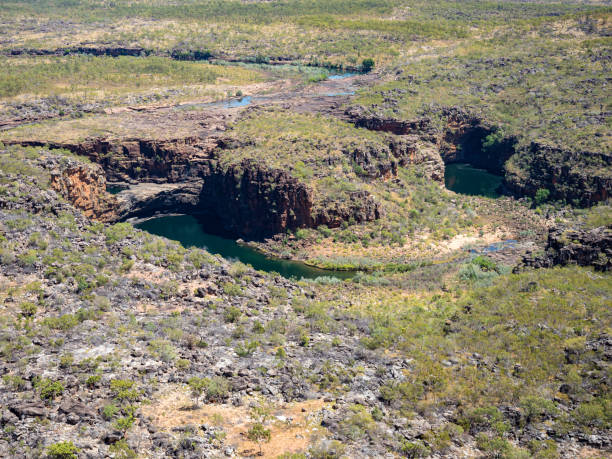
232	289
215	389
232	314
367	65
62	450
49	389
28	309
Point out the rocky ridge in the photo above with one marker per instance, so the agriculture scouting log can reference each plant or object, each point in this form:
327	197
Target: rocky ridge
583	247
249	199
104	322
578	177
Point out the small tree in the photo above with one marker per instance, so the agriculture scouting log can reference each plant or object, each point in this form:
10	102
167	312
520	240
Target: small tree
62	450
259	434
260	412
124	423
367	65
197	385
541	196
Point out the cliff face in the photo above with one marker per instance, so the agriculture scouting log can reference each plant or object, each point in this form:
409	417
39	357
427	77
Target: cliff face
584	177
463	141
84	186
574	176
247	199
136	160
254	201
576	246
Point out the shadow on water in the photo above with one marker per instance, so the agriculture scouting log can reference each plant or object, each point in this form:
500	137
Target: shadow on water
115	189
465	179
191	232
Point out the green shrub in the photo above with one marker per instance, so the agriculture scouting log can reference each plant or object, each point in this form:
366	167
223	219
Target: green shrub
367	65
497	446
110	411
414	449
124	423
546	449
28	309
62	450
124	390
232	314
247	348
324	230
15	382
121	450
49	389
216	389
238	269
537	408
232	289
28	258
541	196
118	232
281	353
258	327
65	322
592	414
259	434
182	364
66	360
93	381
301	234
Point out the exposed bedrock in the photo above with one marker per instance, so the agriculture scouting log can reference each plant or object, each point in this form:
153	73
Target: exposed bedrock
575	246
246	199
583	178
113	51
362	118
84	186
465	141
461	140
136	160
579	177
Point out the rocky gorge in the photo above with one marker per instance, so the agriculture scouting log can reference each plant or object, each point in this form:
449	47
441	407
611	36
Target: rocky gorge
114	325
292	229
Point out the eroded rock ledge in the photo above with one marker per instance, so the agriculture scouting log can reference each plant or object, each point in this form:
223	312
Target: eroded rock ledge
84	186
579	177
574	246
247	199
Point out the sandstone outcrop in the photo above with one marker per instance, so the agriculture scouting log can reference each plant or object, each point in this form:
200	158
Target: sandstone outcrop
84	186
584	178
575	246
246	199
580	177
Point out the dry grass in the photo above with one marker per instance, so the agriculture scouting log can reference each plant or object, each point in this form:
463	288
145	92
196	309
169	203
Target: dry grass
173	408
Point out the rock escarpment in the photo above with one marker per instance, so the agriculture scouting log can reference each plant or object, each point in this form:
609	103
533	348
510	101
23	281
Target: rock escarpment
246	199
575	246
144	160
459	140
580	177
255	201
469	139
84	186
583	178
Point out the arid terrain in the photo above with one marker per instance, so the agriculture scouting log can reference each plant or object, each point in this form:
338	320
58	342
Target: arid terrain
305	229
